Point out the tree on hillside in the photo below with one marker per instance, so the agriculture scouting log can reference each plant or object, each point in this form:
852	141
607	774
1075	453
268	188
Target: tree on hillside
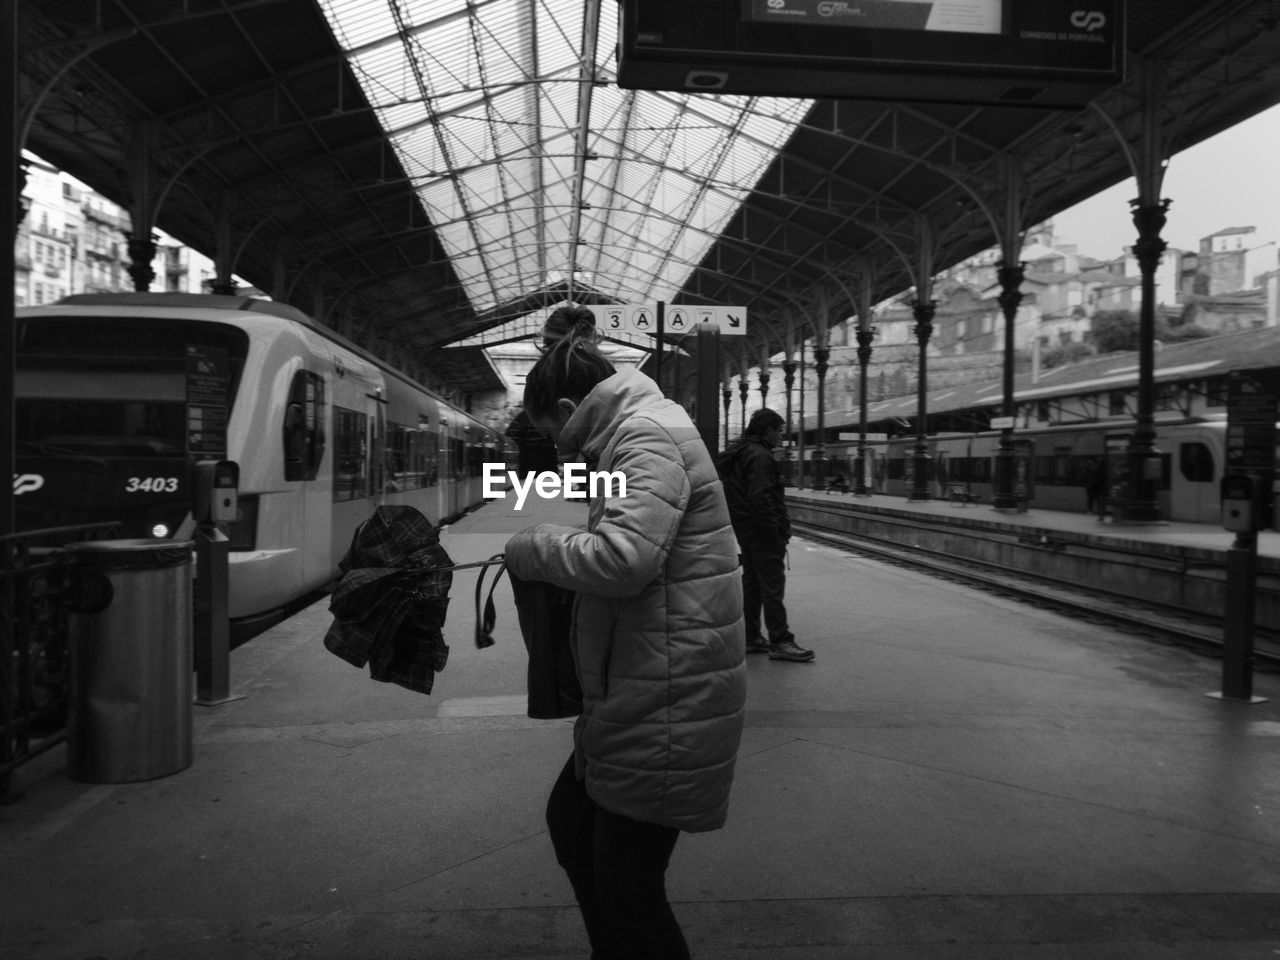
1114	330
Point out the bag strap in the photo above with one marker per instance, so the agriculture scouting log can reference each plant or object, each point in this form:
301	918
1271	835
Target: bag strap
485	619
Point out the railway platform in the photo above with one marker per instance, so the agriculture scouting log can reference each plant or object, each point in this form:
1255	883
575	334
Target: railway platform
1154	537
956	776
1177	569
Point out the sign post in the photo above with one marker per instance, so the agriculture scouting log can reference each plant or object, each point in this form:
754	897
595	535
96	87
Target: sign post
1246	507
708	381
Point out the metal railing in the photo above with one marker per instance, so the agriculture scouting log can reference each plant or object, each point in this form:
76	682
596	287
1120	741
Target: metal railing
35	596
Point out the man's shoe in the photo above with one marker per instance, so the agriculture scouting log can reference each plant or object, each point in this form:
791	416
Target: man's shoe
789	650
758	645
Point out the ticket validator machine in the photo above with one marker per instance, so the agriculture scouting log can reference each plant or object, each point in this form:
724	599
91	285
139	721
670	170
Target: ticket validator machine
1246	509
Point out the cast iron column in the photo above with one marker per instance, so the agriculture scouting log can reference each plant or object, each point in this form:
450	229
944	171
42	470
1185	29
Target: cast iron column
820	356
789	381
800	432
1010	296
923	313
764	387
728	398
864	359
1144	458
743	391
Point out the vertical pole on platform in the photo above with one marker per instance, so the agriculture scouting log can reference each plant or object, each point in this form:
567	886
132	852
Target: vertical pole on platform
212	633
708	384
661	313
9	212
1237	623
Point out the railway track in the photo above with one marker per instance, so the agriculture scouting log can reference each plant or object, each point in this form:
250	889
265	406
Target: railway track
1175	625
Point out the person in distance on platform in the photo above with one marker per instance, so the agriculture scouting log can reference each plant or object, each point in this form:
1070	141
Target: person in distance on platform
657	640
758	510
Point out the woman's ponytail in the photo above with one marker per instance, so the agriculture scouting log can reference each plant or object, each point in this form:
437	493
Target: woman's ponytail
571	363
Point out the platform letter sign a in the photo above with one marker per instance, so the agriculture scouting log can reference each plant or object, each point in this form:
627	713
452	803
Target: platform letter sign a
643	320
677	319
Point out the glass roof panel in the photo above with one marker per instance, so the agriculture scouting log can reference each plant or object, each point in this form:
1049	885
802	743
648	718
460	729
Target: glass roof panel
480	99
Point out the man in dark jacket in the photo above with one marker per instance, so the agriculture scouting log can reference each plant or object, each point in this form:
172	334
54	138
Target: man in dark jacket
758	512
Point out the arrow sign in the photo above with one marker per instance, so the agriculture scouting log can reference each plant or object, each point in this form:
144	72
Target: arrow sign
729	320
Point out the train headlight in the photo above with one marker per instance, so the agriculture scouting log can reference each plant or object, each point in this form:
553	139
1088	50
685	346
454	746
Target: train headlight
160	530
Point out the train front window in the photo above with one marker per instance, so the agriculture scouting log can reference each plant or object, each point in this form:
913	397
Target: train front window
133	388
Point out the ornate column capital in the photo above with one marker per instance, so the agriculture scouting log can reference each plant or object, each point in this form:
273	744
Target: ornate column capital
820	357
865	337
141	252
1010	286
1149	220
924	311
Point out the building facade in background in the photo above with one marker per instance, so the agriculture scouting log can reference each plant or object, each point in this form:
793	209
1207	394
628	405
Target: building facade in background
73	240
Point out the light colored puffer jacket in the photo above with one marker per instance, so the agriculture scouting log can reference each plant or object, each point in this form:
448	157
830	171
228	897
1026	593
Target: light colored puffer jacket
658	631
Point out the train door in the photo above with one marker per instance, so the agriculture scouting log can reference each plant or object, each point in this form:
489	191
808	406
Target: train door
1193	496
353	407
449	467
305	437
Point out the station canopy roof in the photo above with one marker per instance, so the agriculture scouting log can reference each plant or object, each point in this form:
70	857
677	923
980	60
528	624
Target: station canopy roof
427	171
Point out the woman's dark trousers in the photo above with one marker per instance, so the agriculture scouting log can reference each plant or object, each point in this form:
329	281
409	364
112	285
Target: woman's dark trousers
617	867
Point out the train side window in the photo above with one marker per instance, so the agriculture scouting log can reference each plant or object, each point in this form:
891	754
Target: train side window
303	433
1195	460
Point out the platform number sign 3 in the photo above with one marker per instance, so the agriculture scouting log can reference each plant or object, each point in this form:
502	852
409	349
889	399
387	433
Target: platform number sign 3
614	320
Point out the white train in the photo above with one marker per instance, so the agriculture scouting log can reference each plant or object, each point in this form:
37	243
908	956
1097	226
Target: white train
1063	462
117	394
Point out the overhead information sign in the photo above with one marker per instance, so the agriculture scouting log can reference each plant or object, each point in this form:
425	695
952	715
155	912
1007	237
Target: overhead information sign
678	318
957	16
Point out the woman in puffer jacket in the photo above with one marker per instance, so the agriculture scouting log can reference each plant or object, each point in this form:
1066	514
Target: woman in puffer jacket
658	639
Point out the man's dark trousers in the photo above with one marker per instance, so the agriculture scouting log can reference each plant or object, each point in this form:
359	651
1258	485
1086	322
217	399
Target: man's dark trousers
764	580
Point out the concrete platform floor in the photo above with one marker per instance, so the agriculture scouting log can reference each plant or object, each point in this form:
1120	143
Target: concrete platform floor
956	777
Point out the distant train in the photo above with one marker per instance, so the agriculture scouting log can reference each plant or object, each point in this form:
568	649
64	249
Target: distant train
1064	462
116	394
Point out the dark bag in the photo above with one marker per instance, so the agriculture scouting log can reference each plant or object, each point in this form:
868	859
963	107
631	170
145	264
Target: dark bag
546	619
389	607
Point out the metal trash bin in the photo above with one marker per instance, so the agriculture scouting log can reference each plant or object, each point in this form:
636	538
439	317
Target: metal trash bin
131	660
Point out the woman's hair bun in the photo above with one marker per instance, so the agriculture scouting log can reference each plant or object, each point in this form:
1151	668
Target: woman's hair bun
569	323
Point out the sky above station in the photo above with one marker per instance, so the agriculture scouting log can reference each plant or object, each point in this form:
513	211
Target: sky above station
1226	181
